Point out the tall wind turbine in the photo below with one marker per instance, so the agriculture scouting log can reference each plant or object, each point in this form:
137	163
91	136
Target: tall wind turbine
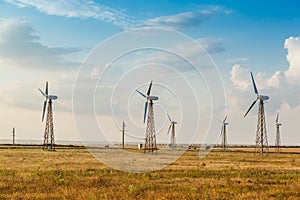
261	132
49	128
224	133
150	140
277	140
172	128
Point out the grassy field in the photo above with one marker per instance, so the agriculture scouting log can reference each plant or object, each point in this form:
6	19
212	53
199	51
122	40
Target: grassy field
75	174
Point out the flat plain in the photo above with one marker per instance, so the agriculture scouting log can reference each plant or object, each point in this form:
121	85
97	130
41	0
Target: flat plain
71	173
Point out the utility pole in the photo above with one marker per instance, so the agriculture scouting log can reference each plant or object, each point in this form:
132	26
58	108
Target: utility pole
123	135
14	135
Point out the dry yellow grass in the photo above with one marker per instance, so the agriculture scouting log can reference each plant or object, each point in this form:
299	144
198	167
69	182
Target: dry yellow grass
75	174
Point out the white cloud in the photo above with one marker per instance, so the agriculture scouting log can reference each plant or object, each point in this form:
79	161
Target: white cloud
20	47
184	19
78	9
179	21
212	45
239	77
237	60
277	81
95	73
292	44
195	51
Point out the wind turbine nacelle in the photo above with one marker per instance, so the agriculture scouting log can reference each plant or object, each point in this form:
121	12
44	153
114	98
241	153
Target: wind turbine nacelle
52	97
226	123
263	97
153	98
278	124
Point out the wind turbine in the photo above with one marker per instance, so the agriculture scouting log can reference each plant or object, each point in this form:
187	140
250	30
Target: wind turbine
172	128
223	133
277	140
261	132
150	140
49	128
123	135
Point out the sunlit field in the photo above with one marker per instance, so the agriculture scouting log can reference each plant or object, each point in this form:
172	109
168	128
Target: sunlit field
75	174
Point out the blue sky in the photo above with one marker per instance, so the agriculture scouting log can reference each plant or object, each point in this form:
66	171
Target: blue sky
240	36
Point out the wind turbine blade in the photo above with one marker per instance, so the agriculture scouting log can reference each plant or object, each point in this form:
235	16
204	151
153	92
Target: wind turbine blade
254	85
46	91
141	94
169	129
149	89
44	109
169	117
277	117
225	119
250	107
221	133
42	92
145	113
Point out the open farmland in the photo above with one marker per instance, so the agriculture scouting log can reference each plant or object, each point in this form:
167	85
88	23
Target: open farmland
75	174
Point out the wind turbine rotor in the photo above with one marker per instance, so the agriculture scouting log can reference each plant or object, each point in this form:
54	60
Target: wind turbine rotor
46	90
225	119
149	98
42	92
169	129
169	117
152	98
141	94
277	117
47	96
44	109
259	97
254	85
145	112
221	133
250	107
149	89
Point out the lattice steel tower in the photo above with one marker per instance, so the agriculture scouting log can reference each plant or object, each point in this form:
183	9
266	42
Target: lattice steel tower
48	143
150	139
262	146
